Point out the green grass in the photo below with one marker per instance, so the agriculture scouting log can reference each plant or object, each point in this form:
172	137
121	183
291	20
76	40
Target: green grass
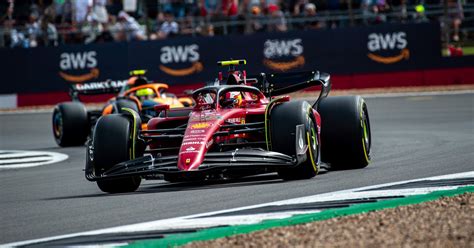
466	51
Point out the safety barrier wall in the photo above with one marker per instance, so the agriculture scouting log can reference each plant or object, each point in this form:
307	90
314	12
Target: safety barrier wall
376	56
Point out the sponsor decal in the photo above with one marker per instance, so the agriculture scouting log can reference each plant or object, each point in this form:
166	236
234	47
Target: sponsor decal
100	85
200	125
208	144
188	139
195	136
188	160
183	152
388	48
78	61
173	55
190	148
193	143
283	55
197	131
236	120
206	117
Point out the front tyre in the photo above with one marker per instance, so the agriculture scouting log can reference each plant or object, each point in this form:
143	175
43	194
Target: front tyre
113	144
70	124
345	132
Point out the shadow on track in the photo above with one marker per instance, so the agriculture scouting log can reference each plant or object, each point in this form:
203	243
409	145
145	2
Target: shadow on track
163	187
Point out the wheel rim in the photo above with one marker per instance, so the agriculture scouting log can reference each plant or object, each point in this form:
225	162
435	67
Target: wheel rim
366	137
57	125
312	145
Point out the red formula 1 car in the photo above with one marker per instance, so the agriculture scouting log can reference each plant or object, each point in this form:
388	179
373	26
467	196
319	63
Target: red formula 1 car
240	126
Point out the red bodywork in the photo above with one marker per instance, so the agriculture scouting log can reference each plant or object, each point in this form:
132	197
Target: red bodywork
206	119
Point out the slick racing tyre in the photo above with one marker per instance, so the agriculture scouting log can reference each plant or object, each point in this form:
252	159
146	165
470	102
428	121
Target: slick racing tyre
112	144
284	118
125	103
345	132
70	124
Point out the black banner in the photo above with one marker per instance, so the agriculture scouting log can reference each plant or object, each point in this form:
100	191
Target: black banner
379	48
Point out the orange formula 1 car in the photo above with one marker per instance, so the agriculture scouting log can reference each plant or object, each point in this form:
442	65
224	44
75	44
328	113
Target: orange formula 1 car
73	123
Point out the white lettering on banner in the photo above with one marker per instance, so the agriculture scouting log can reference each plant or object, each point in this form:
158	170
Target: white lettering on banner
387	41
282	48
179	54
81	60
100	85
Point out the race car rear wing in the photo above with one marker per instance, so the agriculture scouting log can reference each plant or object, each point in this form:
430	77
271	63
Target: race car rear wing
285	83
96	88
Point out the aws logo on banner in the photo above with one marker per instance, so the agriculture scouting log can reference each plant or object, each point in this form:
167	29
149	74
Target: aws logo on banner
172	59
78	61
388	48
283	55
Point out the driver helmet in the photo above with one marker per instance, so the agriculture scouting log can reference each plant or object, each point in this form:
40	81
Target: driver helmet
145	94
232	95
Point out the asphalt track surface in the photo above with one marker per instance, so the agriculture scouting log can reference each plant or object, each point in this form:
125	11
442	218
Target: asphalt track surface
413	137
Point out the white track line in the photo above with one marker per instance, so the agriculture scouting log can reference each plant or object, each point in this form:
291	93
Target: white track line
25	159
206	219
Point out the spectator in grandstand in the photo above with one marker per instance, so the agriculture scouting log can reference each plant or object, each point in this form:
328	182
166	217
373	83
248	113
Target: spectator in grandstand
130	27
12	37
256	18
169	27
374	11
64	11
277	21
186	25
92	28
230	8
81	9
310	12
211	7
419	15
100	11
48	35
206	30
176	7
32	29
456	16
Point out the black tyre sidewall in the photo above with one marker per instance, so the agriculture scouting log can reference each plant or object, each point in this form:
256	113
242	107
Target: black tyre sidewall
342	132
112	143
75	124
283	121
125	103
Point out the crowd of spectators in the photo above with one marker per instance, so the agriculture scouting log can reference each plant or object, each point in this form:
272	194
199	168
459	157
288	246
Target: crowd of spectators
33	23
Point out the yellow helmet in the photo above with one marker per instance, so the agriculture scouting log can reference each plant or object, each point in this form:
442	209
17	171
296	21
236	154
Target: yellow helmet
145	92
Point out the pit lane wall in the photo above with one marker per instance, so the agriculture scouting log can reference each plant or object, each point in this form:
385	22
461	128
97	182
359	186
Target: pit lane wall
362	57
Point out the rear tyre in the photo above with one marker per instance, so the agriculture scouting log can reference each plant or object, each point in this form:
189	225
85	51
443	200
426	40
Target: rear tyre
283	121
70	124
345	132
112	145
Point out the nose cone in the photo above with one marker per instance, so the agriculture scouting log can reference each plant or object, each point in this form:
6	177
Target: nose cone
196	141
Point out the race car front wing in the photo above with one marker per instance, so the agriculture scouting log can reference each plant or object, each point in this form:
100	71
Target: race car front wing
215	161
